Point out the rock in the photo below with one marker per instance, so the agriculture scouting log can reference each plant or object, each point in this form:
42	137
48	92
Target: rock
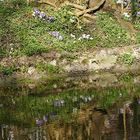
102	61
53	62
103	53
93	66
23	60
76	68
67	68
31	70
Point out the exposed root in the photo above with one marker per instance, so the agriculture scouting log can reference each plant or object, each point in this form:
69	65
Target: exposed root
47	3
75	5
91	9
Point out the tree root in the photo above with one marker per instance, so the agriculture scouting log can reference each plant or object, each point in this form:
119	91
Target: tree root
91	9
79	7
48	3
75	5
82	11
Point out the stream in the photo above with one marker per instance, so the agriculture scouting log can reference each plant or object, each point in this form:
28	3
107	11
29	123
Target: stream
71	108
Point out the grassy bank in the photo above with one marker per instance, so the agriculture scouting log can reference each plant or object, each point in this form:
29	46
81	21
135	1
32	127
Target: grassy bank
23	34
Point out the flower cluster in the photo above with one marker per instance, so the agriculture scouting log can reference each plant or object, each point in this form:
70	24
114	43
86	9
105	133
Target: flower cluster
56	34
42	15
85	36
86	98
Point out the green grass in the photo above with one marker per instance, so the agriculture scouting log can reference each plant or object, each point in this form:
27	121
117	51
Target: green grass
7	70
127	77
23	34
113	35
30	35
127	58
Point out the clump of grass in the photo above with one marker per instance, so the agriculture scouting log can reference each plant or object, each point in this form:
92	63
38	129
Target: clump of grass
127	58
7	70
126	77
137	26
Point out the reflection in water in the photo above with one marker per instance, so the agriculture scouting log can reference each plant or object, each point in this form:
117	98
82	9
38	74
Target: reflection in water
101	114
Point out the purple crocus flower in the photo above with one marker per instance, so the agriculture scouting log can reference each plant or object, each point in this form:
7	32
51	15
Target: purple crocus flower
138	13
138	5
56	34
36	12
42	15
39	121
50	18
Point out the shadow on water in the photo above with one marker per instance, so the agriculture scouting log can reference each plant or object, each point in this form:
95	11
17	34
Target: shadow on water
103	113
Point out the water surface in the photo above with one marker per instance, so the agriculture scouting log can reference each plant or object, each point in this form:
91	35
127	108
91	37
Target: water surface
52	112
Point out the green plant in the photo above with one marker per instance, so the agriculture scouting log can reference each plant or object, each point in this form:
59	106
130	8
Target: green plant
137	24
126	77
127	58
52	69
7	70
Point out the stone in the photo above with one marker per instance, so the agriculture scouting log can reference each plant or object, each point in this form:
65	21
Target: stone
23	60
31	70
53	62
